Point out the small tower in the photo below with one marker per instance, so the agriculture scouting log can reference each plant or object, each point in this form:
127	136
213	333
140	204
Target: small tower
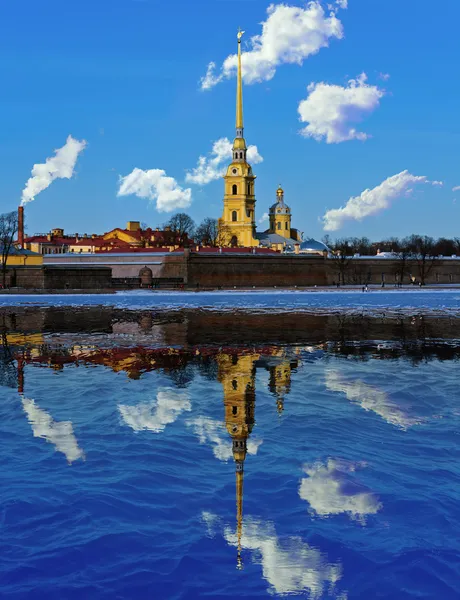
280	215
238	222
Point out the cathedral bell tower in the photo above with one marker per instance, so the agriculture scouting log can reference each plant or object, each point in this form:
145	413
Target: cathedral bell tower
237	225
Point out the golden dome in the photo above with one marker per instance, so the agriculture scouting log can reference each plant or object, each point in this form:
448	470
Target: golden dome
239	144
280	191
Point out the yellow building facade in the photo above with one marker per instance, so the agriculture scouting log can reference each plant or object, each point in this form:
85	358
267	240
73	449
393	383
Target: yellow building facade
23	258
238	225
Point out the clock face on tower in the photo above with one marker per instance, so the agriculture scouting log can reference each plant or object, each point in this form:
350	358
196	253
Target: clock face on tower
234	171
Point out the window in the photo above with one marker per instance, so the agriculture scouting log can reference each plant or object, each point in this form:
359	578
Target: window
279	225
234	190
241	155
249	189
286	225
234	386
234	216
234	410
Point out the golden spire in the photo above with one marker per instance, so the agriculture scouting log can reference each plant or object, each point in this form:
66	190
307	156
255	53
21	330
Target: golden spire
239	511
239	91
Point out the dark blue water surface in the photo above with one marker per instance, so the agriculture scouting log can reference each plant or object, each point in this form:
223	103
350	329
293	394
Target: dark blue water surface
119	479
388	298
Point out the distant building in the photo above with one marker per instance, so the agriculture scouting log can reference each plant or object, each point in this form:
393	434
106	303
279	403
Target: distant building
20	257
117	240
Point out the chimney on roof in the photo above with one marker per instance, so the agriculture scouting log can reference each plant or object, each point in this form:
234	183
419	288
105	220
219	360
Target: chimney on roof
21	226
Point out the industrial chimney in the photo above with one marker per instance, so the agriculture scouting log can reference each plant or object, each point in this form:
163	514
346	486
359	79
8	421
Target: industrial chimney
21	226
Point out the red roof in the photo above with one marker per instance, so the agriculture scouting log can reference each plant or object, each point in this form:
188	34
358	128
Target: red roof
209	250
131	249
55	240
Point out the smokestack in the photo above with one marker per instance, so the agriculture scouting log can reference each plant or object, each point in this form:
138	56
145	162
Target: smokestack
21	226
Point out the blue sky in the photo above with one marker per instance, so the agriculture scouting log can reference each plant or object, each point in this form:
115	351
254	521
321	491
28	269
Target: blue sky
124	75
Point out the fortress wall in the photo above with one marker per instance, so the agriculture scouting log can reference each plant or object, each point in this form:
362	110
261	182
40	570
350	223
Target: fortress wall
247	270
360	271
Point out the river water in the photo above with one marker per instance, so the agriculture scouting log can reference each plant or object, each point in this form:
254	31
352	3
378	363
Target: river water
159	447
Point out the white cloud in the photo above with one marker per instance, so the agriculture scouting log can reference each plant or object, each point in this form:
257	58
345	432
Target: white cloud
456	188
213	166
59	166
61	434
155	415
330	490
332	110
370	398
264	218
155	185
384	76
371	202
288	565
215	434
289	35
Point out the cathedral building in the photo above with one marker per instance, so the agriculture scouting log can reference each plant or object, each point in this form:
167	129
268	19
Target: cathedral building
238	223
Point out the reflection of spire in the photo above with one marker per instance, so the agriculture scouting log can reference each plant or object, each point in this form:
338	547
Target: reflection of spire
239	511
237	375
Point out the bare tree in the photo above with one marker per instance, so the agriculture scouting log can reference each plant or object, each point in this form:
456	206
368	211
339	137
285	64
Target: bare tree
224	236
422	250
341	257
207	232
183	225
402	252
8	230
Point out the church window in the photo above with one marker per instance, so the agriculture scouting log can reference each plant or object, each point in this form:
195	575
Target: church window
286	225
234	190
234	410
249	189
279	225
248	213
234	216
241	155
235	384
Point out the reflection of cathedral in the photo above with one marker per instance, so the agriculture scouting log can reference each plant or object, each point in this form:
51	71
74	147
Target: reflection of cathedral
237	375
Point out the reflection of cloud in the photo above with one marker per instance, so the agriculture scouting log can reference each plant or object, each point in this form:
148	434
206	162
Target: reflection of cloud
214	433
370	398
155	415
330	490
61	435
289	566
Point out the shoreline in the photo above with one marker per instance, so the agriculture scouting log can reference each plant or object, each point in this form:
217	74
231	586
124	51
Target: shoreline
233	289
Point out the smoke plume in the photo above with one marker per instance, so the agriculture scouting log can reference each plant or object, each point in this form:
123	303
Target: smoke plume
59	166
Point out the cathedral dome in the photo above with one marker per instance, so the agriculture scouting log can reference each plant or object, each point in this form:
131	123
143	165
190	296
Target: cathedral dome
311	246
280	207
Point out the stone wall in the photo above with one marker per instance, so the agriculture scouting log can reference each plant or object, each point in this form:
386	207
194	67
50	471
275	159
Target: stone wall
359	271
59	278
248	270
